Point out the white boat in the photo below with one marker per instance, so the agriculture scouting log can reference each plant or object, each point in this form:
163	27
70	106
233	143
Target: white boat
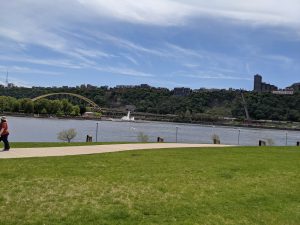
128	117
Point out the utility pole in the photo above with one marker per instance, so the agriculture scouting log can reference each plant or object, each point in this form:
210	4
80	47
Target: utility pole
97	126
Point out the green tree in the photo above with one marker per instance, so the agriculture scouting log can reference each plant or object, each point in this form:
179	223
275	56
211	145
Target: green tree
41	106
67	107
75	111
16	106
26	105
5	104
55	106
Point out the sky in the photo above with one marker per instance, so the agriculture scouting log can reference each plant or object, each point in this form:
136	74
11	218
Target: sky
163	43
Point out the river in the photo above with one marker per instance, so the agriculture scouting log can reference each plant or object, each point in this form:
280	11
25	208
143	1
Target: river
46	130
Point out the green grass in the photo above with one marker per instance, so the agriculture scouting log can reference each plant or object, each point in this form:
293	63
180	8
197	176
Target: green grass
237	186
58	144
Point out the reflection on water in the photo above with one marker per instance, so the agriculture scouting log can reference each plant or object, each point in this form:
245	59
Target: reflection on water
45	130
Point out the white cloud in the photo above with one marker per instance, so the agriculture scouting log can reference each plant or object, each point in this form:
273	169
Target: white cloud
130	59
123	71
34	18
268	12
92	53
43	22
61	26
279	58
213	75
26	70
130	45
64	63
155	12
184	51
30	33
178	12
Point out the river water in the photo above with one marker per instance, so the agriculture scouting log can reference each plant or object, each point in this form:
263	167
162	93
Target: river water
46	130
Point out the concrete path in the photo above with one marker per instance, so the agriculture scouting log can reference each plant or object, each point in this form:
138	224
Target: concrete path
94	149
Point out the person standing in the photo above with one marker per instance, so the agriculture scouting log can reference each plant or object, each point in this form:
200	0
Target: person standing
4	133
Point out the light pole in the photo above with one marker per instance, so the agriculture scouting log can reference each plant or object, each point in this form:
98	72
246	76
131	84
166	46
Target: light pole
213	130
97	126
176	133
239	136
286	138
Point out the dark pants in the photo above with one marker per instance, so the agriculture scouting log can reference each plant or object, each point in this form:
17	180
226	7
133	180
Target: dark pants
5	141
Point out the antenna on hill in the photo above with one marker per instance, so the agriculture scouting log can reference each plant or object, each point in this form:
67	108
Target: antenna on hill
6	81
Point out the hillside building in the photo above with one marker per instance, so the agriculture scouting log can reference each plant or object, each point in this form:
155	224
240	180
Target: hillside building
261	87
182	91
295	87
284	92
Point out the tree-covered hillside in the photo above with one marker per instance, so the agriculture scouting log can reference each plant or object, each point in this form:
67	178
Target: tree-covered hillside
201	104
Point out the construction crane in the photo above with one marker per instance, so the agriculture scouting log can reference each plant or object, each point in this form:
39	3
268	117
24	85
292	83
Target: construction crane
245	106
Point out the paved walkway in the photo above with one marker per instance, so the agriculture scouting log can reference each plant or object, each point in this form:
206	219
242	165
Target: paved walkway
94	149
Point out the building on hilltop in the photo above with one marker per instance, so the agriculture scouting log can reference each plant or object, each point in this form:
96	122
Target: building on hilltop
104	87
261	87
125	86
11	85
295	87
284	92
146	86
203	89
89	86
257	83
181	91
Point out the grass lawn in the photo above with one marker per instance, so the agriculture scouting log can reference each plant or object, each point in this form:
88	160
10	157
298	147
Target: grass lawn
176	186
58	144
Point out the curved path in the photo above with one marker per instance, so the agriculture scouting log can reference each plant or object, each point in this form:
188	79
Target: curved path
92	149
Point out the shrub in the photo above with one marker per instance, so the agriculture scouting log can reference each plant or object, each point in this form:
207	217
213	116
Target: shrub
270	141
67	135
142	137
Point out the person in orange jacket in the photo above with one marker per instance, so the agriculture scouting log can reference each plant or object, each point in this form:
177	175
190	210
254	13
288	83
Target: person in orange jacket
4	133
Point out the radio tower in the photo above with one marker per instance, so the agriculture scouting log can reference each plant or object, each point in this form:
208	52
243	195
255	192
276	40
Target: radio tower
6	78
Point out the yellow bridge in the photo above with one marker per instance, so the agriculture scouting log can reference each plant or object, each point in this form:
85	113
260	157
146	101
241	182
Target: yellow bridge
92	104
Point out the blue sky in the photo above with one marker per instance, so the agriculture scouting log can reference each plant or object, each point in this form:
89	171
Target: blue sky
164	43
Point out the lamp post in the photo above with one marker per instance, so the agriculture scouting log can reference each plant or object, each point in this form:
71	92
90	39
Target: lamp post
176	133
213	130
286	138
97	126
239	136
